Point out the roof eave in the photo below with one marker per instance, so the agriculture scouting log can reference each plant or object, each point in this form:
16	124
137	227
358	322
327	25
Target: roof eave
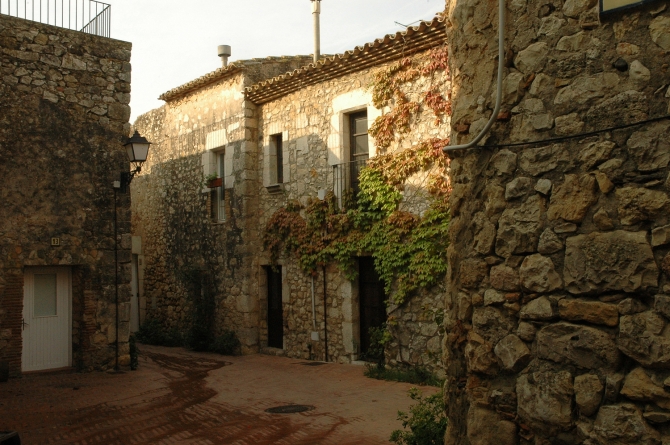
430	35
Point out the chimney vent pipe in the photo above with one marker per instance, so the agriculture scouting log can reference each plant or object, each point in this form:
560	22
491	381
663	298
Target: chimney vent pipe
224	52
316	12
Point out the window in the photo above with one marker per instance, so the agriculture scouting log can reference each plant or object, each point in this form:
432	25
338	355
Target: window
277	147
355	152
218	194
358	123
45	295
276	169
359	151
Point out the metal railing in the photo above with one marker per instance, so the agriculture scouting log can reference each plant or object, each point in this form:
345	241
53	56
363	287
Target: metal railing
345	177
88	16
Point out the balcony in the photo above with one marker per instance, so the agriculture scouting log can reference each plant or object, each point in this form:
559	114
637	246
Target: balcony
345	177
87	16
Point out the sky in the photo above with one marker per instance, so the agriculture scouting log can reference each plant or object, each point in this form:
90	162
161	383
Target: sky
175	42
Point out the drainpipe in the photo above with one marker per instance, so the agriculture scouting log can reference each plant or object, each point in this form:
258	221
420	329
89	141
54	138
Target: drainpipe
316	12
501	56
313	307
325	316
325	302
116	278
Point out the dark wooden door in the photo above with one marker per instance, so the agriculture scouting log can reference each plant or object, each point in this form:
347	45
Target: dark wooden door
275	316
372	300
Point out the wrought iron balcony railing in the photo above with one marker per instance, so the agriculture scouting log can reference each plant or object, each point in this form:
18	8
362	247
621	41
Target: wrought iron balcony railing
345	177
88	16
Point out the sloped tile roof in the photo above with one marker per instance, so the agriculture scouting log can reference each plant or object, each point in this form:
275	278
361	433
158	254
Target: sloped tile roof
221	73
426	35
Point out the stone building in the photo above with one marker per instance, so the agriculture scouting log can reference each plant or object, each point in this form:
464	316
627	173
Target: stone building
206	126
276	131
64	98
559	279
310	120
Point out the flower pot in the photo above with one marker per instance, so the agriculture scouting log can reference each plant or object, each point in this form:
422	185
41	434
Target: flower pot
214	183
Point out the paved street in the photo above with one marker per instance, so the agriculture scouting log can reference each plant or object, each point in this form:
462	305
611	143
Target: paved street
182	397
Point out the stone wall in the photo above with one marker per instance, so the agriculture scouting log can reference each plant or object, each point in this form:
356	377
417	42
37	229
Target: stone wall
64	98
559	271
171	209
313	130
171	204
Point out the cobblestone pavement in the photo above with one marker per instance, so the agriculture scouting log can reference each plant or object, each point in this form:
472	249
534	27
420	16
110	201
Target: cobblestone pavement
182	397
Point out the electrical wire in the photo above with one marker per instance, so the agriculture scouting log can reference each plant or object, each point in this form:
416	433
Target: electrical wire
575	136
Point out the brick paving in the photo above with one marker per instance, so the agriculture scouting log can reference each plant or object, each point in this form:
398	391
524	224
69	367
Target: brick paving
182	397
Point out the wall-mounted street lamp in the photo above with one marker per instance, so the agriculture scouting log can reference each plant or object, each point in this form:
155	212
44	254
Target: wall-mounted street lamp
137	149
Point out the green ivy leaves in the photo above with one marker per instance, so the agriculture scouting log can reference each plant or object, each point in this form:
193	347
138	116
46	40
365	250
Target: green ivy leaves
409	250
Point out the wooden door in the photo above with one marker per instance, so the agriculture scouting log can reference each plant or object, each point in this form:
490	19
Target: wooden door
47	325
372	300
275	315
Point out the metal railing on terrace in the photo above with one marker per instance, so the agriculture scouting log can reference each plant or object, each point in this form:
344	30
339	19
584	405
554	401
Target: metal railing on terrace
345	177
88	16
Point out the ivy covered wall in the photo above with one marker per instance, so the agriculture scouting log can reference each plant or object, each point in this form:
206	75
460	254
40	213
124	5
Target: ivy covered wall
399	217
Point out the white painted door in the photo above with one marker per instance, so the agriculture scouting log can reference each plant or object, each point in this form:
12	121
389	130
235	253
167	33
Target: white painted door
47	326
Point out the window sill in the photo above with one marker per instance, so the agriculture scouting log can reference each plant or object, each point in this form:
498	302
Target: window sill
218	223
275	188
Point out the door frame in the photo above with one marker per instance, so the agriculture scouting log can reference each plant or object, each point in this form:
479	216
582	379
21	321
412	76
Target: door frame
28	283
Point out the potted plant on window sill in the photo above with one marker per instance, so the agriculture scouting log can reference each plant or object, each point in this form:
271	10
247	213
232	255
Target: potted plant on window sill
213	181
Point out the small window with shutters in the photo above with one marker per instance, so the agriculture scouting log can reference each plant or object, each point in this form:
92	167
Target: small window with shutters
359	150
217	162
277	146
218	194
276	168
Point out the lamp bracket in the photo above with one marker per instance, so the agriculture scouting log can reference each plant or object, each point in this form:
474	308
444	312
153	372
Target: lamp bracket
127	178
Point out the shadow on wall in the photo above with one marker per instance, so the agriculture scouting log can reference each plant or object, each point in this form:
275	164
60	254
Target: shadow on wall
173	216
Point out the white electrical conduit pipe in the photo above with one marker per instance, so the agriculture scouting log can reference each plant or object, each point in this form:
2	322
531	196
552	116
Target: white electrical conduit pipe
501	57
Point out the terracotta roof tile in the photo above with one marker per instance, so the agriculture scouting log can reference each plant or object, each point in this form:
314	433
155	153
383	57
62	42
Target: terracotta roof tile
426	35
221	73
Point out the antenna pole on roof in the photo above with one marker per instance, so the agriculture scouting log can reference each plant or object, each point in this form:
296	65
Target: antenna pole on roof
316	12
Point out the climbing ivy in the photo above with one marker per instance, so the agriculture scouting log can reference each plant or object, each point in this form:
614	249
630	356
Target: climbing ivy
396	121
438	104
409	250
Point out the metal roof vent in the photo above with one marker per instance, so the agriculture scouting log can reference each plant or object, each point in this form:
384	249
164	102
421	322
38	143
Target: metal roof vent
224	52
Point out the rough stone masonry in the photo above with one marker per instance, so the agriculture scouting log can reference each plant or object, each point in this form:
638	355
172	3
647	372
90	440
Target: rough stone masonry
213	116
64	99
559	291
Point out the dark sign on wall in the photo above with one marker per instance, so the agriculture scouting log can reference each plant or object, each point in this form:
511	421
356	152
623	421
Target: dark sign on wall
615	5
